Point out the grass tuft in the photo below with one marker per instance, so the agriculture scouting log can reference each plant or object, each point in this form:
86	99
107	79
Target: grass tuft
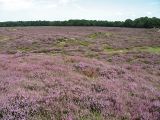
99	35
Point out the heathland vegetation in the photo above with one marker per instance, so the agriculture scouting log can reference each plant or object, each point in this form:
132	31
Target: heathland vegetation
79	73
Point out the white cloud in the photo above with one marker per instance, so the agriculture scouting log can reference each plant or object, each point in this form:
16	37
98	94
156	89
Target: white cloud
66	1
119	13
15	5
149	13
72	9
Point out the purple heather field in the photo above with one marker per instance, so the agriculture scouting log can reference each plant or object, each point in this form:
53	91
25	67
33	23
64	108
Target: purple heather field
79	73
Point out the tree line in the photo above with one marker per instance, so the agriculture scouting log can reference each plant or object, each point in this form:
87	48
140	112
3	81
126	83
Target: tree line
143	22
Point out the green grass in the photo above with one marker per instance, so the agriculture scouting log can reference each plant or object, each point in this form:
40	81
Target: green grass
99	35
35	46
84	43
111	50
72	42
155	50
91	54
93	116
24	49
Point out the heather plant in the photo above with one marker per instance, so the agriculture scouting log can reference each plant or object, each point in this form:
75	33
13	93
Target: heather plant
17	107
63	88
57	79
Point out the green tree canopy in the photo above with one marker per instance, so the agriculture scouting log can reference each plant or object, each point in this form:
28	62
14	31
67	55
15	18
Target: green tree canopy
143	22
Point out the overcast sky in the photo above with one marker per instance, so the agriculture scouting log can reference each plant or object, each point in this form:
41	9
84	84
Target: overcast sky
17	10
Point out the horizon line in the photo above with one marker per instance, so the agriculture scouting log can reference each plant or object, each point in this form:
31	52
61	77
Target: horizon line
78	19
